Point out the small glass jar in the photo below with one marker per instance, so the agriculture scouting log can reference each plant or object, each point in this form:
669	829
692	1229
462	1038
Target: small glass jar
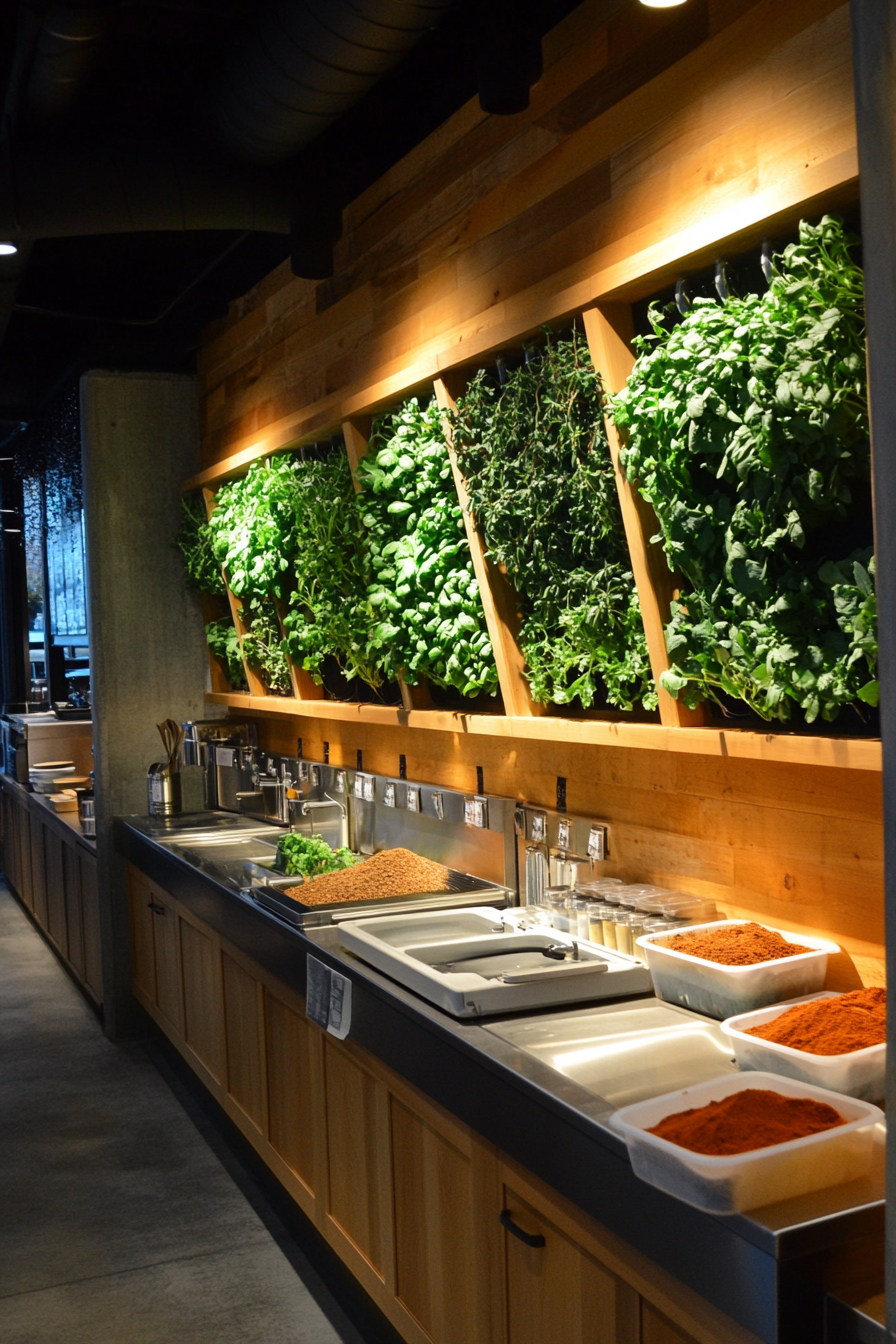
608	924
637	924
624	933
558	899
596	910
579	922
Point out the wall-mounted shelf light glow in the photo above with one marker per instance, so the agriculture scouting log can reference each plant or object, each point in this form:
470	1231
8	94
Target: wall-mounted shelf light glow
8	249
661	4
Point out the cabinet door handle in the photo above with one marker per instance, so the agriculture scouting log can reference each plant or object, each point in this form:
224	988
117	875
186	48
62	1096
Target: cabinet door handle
156	909
528	1238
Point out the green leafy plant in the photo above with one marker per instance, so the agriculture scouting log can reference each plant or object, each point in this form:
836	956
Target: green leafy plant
428	612
251	529
328	614
536	460
748	432
262	644
309	856
224	642
195	545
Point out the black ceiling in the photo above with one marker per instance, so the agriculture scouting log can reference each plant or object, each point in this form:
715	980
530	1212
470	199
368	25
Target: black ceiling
138	299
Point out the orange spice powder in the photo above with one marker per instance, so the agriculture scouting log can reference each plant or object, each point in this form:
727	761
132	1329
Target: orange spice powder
745	1121
830	1026
735	945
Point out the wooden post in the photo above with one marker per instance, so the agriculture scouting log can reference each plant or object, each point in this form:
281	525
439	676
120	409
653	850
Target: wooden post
255	683
499	600
874	62
357	440
609	331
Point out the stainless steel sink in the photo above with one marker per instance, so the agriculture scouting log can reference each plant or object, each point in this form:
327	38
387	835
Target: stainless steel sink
625	1052
484	960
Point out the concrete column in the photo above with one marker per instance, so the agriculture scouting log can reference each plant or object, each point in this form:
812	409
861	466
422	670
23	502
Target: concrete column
140	441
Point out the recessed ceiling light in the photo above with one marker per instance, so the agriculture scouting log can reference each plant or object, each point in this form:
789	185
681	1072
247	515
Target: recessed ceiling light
8	249
661	4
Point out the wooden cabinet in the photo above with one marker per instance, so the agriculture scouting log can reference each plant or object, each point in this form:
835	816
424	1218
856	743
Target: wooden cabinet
245	1040
555	1289
203	997
155	952
445	1231
90	923
54	874
56	925
454	1243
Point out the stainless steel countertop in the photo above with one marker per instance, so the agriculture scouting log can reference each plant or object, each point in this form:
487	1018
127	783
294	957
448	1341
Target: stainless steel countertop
565	1113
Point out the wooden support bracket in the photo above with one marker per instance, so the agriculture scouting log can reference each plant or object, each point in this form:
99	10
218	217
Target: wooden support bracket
609	329
499	600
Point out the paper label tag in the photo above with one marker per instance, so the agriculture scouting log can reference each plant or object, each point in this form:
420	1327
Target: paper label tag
413	800
564	834
328	999
597	843
389	795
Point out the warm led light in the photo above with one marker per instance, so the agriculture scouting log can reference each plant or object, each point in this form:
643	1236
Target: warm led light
8	249
661	4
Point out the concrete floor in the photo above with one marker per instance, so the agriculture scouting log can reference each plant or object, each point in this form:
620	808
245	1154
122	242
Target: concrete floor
119	1224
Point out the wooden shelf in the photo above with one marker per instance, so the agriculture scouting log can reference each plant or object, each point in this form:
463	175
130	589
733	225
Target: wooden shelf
845	753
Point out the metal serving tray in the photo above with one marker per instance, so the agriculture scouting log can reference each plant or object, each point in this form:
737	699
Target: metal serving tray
461	890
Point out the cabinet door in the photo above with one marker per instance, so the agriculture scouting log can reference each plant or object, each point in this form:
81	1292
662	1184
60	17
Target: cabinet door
359	1206
73	908
9	841
658	1329
38	871
243	1020
90	924
443	1195
56	926
168	986
143	961
555	1290
290	1042
203	1020
23	834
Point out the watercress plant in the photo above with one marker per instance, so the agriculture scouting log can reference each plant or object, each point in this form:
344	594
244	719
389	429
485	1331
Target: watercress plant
748	432
541	483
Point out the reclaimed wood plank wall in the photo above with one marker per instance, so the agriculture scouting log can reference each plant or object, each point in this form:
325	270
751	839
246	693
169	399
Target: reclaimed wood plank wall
653	139
796	846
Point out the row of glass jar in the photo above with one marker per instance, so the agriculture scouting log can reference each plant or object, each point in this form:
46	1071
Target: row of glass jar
615	914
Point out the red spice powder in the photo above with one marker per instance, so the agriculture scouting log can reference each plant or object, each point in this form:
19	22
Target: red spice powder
745	1121
830	1026
735	945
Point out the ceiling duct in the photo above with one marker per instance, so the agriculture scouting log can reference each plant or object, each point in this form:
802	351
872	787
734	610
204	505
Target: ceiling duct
307	62
67	43
51	194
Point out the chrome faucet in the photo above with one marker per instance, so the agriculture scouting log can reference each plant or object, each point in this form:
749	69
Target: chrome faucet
314	805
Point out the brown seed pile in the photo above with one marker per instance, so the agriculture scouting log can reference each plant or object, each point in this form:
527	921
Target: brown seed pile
392	872
735	945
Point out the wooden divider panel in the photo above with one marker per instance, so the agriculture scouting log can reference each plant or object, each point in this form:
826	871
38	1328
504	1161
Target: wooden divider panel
609	330
500	603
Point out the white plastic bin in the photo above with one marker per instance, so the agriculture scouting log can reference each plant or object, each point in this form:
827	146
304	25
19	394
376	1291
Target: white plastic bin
748	1180
860	1073
725	991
